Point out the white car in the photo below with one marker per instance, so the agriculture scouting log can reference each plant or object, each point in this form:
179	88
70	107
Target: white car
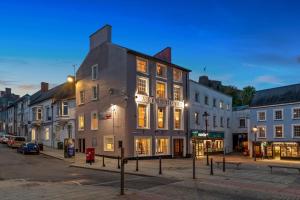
4	139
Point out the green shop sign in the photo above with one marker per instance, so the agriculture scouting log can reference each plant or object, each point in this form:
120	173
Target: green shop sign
211	135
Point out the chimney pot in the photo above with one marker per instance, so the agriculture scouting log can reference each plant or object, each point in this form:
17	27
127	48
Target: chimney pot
44	87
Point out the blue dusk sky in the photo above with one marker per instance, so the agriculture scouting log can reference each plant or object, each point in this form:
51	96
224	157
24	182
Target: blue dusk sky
249	42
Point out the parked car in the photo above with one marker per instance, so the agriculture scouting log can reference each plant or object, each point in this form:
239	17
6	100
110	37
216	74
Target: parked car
4	139
29	147
16	141
10	140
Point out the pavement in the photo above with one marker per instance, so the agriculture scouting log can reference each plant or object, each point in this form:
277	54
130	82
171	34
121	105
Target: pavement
46	177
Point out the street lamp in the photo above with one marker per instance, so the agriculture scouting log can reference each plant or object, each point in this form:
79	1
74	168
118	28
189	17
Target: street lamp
71	79
205	115
254	130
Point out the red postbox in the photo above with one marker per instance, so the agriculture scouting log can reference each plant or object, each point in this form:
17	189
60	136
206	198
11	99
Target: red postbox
90	155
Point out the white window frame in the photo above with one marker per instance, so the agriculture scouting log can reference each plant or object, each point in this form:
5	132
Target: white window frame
166	118
181	75
147	65
242	118
104	143
181	92
274	130
168	146
293	112
166	89
257	134
274	114
166	71
148	115
147	84
181	122
261	111
94	72
221	104
79	128
97	95
92	114
47	134
81	101
143	137
293	125
62	108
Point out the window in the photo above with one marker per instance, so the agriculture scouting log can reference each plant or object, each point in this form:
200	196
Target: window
228	107
48	113
81	122
142	116
177	93
47	134
177	118
296	130
141	65
162	146
261	131
33	134
196	97
94	72
206	100
215	121
261	115
95	92
278	131
242	122
94	120
296	113
109	143
278	115
39	114
161	71
143	146
214	102
221	104
142	85
221	121
177	75
228	123
81	97
64	108
161	117
197	120
161	90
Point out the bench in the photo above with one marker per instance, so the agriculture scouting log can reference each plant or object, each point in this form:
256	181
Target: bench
285	167
237	164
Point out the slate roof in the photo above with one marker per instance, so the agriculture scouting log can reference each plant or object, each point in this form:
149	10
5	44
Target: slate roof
63	91
274	96
239	108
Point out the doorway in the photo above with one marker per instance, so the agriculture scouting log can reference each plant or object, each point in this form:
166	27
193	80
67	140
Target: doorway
81	145
178	147
199	148
277	151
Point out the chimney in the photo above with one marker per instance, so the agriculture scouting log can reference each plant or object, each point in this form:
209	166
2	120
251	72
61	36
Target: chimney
204	80
44	87
100	36
164	54
8	91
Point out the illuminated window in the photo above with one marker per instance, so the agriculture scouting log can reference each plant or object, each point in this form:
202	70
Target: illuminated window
81	97
141	65
161	71
143	146
296	113
33	135
162	146
278	131
142	116
142	85
109	143
161	90
47	134
177	75
261	131
161	117
81	122
177	118
94	120
221	105
296	130
177	93
261	116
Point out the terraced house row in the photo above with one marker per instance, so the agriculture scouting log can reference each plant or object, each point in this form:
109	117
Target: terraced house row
151	105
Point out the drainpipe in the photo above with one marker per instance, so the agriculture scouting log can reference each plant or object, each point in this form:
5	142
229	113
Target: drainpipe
52	133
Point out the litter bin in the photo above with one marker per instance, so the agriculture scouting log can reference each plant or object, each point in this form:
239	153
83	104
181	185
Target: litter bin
41	146
90	155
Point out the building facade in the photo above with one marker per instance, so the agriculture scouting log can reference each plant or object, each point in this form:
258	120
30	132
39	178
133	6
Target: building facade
276	115
124	95
219	108
22	115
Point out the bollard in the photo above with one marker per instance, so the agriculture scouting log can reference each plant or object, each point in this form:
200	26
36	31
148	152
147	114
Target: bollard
137	164
119	162
103	164
224	164
211	167
160	165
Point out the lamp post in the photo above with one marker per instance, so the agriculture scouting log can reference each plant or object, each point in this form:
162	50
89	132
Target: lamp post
205	115
254	130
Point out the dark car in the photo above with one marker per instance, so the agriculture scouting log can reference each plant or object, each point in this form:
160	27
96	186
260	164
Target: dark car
29	147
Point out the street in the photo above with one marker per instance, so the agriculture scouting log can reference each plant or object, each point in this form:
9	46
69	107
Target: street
43	177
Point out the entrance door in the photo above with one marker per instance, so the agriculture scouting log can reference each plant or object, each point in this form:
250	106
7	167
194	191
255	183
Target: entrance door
277	152
83	145
178	147
199	149
79	145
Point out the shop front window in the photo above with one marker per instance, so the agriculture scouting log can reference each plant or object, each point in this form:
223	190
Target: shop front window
162	146
143	146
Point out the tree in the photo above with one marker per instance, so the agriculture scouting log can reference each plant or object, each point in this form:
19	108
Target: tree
247	95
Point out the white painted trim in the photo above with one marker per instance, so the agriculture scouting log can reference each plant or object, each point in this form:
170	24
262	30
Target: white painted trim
166	88
92	68
182	119
166	72
104	146
274	130
147	84
257	134
92	113
166	118
148	115
292	110
147	64
142	137
169	144
257	115
181	92
274	116
293	135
